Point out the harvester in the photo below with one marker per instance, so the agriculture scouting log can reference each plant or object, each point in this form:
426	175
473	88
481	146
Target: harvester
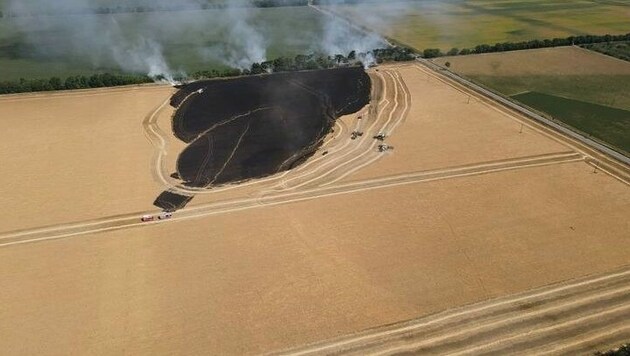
356	134
380	136
385	148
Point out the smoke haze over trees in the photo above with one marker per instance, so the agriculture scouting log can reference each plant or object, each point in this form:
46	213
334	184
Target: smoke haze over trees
282	64
82	7
142	37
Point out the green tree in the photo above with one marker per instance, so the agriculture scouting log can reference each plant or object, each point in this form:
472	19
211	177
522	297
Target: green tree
71	83
432	53
95	81
82	81
56	83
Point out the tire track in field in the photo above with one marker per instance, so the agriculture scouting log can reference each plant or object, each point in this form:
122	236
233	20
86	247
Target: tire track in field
133	219
580	315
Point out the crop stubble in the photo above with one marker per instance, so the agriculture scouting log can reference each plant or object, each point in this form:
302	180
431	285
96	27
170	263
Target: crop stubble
247	282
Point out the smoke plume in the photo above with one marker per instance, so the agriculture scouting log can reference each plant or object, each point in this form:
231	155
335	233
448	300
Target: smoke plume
164	43
244	43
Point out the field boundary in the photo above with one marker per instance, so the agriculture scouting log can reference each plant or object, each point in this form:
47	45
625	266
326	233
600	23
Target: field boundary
607	155
54	232
80	92
602	54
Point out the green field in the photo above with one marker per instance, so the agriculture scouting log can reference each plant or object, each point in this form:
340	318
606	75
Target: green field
607	124
467	23
584	89
568	72
47	48
598	105
607	90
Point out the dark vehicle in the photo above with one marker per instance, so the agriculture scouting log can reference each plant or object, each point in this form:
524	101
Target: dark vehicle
380	136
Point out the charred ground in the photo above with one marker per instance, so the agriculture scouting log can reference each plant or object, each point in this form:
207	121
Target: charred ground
252	127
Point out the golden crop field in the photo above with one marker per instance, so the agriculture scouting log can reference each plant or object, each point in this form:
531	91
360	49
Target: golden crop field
474	202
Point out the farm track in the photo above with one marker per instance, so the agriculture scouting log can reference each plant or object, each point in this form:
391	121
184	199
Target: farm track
567	318
271	199
319	176
362	151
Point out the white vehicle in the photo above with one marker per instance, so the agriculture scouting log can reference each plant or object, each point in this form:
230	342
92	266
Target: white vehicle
200	91
146	218
165	216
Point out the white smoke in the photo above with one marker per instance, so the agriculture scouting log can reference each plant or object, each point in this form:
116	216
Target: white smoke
138	53
339	37
149	42
143	56
104	41
244	44
367	59
361	26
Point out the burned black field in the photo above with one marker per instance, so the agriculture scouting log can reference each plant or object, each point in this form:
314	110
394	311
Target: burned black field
252	127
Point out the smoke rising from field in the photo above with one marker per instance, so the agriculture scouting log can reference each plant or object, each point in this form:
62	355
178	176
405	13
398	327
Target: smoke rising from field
160	43
244	44
140	54
102	41
340	38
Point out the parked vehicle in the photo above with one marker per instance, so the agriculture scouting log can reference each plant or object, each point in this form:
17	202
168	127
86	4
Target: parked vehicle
164	216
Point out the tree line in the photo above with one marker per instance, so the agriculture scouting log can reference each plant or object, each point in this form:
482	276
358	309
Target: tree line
297	63
281	64
619	50
315	61
103	10
74	82
516	46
